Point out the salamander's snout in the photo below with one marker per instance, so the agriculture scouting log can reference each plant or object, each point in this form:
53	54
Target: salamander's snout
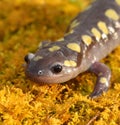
28	57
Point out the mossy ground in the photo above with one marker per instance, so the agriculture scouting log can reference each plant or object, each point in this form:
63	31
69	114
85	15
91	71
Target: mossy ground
23	24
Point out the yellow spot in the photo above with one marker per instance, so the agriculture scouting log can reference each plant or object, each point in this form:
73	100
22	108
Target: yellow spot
43	44
96	33
74	47
36	58
40	45
70	32
70	63
103	80
112	14
118	2
102	26
87	39
61	39
54	48
74	24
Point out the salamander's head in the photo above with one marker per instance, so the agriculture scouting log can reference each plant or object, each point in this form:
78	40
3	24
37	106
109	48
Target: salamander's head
52	64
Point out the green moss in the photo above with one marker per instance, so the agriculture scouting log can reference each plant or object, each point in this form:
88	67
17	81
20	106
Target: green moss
22	26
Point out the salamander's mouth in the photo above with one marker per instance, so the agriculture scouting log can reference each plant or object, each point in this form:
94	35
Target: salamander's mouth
48	79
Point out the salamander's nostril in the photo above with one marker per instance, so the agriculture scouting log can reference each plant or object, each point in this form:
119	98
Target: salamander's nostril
40	72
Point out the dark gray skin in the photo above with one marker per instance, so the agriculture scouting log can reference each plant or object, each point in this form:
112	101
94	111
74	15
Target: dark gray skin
51	68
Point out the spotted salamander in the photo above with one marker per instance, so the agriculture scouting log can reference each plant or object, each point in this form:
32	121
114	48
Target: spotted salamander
91	36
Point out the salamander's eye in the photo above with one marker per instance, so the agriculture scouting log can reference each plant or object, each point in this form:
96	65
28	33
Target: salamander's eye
57	68
28	57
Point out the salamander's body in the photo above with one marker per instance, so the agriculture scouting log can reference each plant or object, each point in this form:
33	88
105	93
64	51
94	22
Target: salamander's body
91	36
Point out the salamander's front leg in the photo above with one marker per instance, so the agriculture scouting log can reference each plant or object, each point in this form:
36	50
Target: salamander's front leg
103	78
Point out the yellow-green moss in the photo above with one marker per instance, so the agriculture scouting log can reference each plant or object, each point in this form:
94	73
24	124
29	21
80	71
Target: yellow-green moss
23	24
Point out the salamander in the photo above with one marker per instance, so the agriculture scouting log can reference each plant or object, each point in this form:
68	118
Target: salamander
90	37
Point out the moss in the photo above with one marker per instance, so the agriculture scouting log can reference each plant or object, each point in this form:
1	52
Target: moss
23	24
